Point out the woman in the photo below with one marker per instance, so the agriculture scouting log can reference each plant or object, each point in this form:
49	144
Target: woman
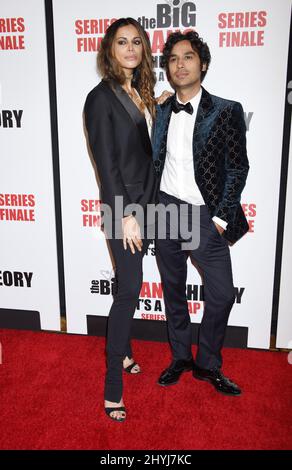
118	116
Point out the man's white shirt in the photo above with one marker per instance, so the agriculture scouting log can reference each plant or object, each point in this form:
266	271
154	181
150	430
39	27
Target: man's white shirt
178	173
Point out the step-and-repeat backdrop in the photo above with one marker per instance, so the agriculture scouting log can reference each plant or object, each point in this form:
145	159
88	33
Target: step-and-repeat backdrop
249	42
284	329
28	255
249	46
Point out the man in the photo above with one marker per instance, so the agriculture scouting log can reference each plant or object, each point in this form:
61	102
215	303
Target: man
200	156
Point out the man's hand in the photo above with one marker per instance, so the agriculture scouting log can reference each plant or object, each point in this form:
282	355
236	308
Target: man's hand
131	233
219	228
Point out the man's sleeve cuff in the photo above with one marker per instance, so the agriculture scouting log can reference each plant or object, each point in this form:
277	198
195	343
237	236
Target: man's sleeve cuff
220	222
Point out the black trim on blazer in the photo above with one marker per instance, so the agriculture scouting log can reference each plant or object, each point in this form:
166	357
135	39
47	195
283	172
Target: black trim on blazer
134	112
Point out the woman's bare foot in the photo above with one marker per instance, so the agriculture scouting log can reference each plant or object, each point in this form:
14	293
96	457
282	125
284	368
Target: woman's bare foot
128	362
117	415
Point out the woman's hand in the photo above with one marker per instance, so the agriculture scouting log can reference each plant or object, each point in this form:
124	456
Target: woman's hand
131	233
163	97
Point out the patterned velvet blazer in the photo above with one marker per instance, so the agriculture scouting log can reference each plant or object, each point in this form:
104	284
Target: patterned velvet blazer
220	159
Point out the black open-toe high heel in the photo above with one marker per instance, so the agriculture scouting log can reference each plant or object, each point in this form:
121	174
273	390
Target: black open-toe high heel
109	410
130	367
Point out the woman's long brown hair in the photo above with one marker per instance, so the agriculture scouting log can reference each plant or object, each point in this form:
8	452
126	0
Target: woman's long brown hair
109	68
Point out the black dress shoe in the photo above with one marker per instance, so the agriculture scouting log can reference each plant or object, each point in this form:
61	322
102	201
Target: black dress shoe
171	375
221	383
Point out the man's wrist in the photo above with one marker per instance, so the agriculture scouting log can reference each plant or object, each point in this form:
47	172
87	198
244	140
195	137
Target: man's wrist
220	222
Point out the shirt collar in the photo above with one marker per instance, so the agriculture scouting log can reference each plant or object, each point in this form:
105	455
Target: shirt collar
195	100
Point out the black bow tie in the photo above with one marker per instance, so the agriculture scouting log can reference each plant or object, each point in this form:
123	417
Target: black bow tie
177	107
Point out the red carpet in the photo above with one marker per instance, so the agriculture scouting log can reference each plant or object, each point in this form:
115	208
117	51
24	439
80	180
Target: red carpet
52	394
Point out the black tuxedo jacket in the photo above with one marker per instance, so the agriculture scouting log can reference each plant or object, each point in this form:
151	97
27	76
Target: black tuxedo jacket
121	147
220	159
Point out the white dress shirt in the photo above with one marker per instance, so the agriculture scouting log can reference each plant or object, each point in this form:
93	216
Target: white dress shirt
148	120
178	173
147	115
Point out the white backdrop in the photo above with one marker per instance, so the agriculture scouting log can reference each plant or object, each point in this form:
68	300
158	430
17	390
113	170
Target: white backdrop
284	329
253	74
28	256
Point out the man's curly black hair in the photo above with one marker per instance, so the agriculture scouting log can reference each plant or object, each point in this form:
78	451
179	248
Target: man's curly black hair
197	44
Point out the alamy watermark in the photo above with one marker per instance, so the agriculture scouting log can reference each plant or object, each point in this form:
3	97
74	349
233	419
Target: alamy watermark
159	221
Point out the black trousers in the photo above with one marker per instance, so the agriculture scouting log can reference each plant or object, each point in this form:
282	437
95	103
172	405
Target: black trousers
129	278
213	260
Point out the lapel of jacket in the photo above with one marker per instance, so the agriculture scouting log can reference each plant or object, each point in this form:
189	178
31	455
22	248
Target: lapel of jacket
202	124
163	114
136	115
